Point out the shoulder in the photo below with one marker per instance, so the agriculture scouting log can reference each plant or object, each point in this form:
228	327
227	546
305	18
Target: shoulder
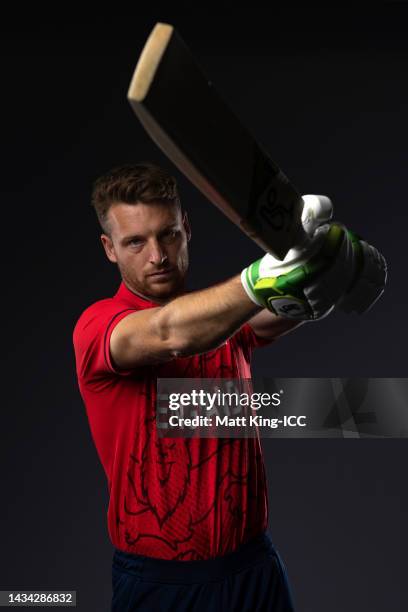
91	337
99	315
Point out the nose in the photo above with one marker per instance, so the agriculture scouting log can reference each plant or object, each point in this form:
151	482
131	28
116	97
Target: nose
157	255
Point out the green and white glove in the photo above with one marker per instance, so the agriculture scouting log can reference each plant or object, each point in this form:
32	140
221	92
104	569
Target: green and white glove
328	268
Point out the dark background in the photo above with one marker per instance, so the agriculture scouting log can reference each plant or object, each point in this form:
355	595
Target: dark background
325	90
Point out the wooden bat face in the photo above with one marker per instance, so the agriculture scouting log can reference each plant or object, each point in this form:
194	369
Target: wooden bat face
188	120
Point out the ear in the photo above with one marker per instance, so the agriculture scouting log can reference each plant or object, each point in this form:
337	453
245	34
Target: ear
109	249
186	226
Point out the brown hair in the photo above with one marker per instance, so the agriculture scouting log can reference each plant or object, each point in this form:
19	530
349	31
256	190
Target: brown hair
133	183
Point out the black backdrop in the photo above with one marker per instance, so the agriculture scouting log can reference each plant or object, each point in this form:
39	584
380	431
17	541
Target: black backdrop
326	91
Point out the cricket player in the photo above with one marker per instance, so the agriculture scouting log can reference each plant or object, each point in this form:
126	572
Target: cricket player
188	517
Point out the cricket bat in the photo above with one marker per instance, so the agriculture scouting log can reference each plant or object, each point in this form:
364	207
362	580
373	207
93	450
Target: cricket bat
189	121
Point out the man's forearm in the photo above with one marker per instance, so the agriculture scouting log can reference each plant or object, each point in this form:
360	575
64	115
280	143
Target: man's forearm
270	326
202	320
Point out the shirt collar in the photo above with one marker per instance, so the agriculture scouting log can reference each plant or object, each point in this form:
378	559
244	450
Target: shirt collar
126	295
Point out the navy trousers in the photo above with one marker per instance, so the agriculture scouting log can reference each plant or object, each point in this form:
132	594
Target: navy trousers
251	579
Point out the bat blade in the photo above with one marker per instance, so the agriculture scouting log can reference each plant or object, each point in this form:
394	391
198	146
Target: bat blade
188	120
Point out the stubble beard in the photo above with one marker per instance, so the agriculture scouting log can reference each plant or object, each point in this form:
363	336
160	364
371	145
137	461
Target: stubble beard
148	292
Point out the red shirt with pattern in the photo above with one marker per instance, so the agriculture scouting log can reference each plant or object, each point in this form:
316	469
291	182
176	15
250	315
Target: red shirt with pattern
180	499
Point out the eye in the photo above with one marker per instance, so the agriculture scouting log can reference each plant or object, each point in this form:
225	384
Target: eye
170	235
135	242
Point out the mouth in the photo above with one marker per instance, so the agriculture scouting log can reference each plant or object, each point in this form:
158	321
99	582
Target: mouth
162	274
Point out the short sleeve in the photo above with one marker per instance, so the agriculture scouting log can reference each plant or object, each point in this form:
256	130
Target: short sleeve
92	342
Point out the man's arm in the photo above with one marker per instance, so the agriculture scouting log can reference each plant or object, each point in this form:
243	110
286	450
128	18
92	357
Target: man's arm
190	324
305	287
270	326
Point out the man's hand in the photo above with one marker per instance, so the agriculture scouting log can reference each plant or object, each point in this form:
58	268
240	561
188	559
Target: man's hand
306	288
369	281
331	267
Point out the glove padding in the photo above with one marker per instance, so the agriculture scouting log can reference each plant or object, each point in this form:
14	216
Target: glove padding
332	266
308	283
369	281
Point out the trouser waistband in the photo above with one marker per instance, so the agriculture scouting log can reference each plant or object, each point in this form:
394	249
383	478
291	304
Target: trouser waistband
149	568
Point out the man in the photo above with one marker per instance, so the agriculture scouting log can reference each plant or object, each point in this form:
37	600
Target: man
187	517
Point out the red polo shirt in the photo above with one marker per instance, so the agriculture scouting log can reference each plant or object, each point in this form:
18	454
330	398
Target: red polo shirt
169	498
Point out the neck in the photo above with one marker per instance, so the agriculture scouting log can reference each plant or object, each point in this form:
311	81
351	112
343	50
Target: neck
149	298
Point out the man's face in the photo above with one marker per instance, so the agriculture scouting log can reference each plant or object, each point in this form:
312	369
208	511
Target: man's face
149	244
